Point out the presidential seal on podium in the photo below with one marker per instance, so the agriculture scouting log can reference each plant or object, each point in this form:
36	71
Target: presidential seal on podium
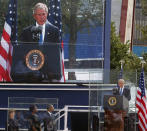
112	101
35	59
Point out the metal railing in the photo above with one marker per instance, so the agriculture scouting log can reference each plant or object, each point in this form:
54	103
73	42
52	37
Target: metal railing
63	113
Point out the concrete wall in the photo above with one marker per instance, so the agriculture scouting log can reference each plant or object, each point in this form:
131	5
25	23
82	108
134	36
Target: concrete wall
128	33
122	15
116	13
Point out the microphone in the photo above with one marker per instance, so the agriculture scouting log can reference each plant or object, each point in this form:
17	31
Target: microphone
115	91
36	31
40	28
33	29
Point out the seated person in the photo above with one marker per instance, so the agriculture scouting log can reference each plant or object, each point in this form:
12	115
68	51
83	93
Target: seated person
122	90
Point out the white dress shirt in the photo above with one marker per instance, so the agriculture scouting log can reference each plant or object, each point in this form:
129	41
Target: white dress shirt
121	90
50	113
43	30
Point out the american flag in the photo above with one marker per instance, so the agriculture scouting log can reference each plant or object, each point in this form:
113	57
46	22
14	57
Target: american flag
9	36
54	18
141	102
121	74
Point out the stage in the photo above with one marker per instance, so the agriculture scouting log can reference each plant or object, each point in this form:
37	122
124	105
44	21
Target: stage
80	94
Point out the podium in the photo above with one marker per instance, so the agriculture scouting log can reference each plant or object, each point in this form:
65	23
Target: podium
116	108
36	63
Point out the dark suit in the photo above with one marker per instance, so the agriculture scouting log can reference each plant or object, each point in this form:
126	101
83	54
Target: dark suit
49	122
34	122
12	125
51	34
126	92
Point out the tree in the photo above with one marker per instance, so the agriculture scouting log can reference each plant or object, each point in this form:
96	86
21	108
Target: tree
132	63
76	16
24	12
119	50
144	6
143	30
141	24
145	59
3	10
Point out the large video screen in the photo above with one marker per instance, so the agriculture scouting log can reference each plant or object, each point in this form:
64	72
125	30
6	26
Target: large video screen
57	41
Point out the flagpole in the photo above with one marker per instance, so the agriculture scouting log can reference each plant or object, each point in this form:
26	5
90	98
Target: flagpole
121	63
121	69
141	101
142	66
142	63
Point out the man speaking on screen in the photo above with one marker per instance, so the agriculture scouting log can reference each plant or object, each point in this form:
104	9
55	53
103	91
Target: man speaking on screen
42	31
40	44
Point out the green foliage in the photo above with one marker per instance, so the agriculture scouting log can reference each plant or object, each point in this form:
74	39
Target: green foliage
78	15
3	9
132	62
81	13
143	30
145	59
145	56
119	50
144	6
24	11
132	66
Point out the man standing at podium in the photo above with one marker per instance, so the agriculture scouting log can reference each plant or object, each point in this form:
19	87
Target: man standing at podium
114	117
122	90
42	31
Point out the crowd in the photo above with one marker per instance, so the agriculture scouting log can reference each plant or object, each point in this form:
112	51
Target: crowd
35	122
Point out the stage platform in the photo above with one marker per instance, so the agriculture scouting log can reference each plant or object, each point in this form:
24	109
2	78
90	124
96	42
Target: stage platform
77	95
66	94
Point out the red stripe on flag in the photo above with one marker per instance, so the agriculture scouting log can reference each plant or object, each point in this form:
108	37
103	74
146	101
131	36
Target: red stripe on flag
5	75
142	106
8	77
142	123
1	78
6	36
7	57
3	53
6	46
142	111
2	73
9	54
